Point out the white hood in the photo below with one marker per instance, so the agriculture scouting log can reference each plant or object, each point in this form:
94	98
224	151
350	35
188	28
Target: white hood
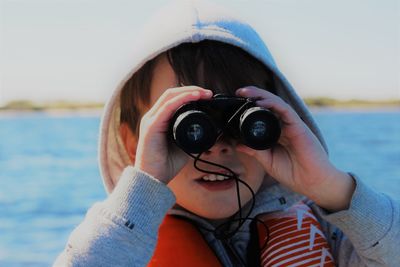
183	22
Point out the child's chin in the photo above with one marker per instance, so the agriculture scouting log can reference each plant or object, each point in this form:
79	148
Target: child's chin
221	214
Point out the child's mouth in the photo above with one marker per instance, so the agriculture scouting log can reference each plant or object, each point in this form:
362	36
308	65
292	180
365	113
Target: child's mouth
215	182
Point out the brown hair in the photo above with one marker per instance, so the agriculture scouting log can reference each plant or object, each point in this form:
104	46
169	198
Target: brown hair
214	65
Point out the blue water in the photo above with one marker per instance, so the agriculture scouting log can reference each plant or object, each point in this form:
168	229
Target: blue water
49	175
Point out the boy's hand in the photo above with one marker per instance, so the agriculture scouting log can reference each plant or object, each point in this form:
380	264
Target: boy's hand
299	161
153	153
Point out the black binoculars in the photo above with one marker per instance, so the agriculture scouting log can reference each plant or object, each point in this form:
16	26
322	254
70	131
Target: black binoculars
196	126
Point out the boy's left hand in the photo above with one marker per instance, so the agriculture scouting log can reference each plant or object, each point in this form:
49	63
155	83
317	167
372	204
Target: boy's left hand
299	161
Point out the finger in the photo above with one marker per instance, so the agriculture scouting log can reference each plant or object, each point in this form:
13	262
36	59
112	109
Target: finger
253	92
172	92
285	112
168	108
273	102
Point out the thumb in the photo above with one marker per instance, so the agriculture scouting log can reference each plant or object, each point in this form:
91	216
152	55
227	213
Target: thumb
245	149
262	156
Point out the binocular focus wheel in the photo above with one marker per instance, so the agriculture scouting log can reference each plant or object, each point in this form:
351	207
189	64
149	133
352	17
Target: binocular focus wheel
194	132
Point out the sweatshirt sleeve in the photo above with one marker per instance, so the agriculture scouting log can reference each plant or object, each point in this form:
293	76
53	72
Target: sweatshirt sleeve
122	230
370	229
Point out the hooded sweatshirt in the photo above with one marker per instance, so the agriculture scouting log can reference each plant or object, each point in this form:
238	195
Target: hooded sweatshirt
122	229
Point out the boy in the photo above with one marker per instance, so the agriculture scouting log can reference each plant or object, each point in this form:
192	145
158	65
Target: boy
198	54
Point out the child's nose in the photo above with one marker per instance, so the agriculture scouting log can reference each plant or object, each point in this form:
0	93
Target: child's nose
222	147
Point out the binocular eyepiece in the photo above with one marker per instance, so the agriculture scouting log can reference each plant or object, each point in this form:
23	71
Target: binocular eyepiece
196	126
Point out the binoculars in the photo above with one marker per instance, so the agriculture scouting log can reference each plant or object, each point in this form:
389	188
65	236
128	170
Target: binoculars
196	126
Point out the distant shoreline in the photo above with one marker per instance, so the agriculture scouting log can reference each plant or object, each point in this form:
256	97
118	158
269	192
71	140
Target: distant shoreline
375	109
63	107
58	113
96	113
351	103
26	105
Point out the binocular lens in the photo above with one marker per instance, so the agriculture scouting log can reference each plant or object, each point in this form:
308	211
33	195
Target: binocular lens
259	128
194	131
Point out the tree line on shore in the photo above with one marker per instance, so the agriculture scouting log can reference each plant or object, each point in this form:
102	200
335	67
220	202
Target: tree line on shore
312	102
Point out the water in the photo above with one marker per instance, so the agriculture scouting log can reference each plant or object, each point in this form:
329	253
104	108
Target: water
366	143
49	175
48	179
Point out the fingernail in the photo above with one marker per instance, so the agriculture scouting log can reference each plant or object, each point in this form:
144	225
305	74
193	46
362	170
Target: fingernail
208	92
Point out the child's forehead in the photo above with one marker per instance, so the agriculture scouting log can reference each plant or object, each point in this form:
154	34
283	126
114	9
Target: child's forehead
163	78
213	65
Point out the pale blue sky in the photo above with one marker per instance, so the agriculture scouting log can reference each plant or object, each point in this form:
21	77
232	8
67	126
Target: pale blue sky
74	50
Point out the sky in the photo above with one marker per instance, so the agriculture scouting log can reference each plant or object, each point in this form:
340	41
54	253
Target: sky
75	50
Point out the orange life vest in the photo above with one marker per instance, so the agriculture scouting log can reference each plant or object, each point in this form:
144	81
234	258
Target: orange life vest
294	237
181	244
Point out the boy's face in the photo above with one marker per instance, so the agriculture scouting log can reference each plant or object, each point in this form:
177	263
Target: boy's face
209	199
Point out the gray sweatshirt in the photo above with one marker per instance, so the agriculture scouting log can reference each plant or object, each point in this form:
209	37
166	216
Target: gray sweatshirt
122	230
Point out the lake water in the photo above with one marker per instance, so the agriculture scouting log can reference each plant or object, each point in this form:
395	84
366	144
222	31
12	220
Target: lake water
49	175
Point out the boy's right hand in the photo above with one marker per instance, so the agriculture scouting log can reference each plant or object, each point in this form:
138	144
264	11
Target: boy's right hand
153	154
